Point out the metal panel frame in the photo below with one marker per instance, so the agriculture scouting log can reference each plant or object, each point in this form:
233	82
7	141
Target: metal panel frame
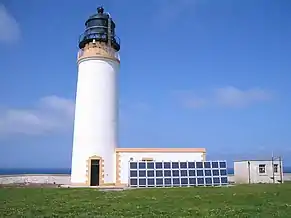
180	177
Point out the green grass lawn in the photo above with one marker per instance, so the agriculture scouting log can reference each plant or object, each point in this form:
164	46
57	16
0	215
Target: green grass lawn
238	201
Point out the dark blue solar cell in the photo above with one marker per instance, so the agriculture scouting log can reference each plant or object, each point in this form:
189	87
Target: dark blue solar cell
133	181
192	181
142	182
150	165
150	173
159	173
207	165
151	182
183	165
192	173
133	165
176	173
184	173
216	180
200	173
141	165
222	164
184	181
175	165
200	181
191	165
223	172
159	182
168	181
142	173
133	173
214	164
207	172
224	180
208	181
176	181
215	172
159	165
167	165
199	165
167	173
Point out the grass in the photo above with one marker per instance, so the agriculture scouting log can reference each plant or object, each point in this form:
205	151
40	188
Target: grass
238	201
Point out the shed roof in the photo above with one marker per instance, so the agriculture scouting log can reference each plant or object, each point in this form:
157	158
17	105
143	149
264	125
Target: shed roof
162	150
253	160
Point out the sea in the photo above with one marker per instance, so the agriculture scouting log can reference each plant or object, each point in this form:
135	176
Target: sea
15	171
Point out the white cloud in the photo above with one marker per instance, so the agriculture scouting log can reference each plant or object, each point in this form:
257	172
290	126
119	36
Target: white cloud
234	97
227	97
190	99
53	114
50	114
9	27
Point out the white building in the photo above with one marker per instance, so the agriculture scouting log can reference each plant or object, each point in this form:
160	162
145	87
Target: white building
96	158
258	171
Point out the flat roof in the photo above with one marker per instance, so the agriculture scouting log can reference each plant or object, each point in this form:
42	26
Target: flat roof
256	160
162	150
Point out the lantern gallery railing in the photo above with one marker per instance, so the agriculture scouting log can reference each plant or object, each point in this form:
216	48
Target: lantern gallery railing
101	37
170	174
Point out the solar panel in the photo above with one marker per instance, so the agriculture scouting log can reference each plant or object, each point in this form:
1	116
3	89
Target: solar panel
170	174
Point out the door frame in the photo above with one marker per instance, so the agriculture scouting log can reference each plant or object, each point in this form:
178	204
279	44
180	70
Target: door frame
101	170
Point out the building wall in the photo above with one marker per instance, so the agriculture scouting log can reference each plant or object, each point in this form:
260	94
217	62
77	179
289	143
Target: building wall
249	173
125	157
241	173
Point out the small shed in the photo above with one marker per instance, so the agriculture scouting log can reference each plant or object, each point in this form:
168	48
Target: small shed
258	171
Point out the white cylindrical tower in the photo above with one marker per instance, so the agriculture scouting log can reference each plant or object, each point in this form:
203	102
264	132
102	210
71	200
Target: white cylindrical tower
96	112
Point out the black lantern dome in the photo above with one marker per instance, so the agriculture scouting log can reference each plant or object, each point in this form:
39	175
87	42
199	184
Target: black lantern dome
100	28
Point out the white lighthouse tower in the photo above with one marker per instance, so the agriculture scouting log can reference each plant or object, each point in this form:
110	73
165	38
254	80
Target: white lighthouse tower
96	112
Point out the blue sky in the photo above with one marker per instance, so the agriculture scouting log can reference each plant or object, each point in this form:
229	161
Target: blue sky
199	73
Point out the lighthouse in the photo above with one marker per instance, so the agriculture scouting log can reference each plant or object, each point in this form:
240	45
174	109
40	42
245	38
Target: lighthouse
96	158
96	113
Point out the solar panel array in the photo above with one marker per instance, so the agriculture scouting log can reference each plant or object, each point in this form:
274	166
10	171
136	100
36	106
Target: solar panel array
169	174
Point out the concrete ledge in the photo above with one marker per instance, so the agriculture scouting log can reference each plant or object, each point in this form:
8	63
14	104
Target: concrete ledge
96	187
286	177
57	179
